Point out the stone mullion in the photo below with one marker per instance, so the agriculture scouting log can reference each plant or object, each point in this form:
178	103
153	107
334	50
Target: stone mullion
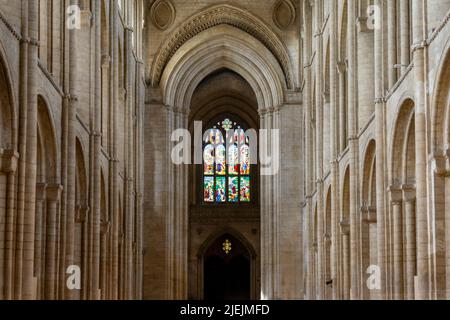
380	156
424	276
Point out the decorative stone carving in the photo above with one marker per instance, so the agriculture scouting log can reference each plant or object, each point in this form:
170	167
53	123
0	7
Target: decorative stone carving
283	14
162	14
217	15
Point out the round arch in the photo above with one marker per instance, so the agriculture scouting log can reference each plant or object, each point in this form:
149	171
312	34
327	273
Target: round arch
212	17
441	105
8	135
217	48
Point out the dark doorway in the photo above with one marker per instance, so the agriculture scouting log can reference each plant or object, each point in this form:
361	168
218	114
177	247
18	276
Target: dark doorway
227	270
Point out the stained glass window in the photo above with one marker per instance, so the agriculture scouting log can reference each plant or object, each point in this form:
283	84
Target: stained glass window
226	173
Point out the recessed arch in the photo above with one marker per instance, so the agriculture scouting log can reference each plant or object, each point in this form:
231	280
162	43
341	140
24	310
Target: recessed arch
48	167
222	15
7	107
441	105
218	48
403	127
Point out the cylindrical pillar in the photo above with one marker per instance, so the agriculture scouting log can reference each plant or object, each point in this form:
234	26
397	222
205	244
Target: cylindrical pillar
398	249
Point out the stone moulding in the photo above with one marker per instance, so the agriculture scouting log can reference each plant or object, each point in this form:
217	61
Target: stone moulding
283	14
162	14
217	15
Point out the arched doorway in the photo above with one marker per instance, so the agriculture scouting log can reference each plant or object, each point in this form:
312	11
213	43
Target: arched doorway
227	270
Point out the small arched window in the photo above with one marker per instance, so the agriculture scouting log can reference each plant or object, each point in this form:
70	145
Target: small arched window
226	173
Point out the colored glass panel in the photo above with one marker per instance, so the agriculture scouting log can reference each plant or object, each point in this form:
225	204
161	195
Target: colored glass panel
233	189
220	194
245	189
209	160
233	160
208	189
245	160
220	160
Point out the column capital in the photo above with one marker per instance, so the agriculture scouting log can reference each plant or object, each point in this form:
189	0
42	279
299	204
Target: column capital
409	192
341	66
41	189
440	163
81	213
54	192
106	61
369	214
8	161
361	25
105	227
395	192
344	227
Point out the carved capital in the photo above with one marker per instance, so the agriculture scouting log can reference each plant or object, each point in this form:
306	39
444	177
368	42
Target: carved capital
8	161
344	226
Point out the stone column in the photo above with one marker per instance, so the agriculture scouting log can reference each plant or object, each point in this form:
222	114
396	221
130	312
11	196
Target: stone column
392	42
410	235
380	156
307	101
345	234
342	67
8	167
353	147
287	189
39	270
319	146
405	48
28	289
397	234
68	219
334	147
423	291
53	199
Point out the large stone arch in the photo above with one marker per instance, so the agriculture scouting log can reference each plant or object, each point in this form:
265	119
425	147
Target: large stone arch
217	48
440	171
441	106
402	198
7	108
222	15
368	219
8	164
48	197
224	47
